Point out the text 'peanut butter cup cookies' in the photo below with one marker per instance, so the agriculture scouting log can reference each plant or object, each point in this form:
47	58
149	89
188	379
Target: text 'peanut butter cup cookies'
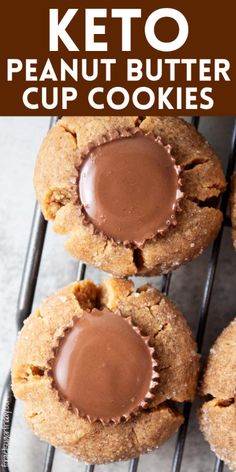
218	414
97	366
134	197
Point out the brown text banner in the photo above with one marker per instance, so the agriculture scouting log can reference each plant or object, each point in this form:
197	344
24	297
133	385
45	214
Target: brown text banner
119	57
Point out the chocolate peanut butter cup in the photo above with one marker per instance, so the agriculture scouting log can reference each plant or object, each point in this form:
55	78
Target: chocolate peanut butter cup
89	372
129	187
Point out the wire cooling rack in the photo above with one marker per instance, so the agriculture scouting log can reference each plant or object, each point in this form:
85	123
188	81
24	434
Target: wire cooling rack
24	306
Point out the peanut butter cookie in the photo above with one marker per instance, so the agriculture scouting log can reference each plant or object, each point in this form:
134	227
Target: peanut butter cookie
134	196
233	207
98	366
218	415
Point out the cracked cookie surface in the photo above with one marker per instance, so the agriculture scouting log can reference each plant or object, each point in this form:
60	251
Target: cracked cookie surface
175	350
56	180
218	415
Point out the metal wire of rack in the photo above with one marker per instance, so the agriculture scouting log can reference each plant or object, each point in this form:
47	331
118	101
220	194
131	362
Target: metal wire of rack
24	306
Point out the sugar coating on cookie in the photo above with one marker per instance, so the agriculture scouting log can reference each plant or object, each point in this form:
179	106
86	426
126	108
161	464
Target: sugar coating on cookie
134	228
57	419
218	415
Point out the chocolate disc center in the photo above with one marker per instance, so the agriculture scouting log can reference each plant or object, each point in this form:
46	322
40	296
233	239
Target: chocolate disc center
129	188
102	366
